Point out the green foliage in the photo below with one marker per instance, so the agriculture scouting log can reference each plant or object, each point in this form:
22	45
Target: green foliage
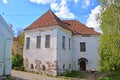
74	74
65	73
10	78
21	39
114	76
17	62
105	78
109	50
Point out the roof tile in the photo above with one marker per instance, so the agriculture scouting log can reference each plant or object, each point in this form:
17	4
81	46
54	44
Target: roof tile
50	19
80	28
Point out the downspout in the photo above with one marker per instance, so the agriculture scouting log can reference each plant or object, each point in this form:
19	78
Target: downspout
4	53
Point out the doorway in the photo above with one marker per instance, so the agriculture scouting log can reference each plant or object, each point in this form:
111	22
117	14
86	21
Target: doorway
82	66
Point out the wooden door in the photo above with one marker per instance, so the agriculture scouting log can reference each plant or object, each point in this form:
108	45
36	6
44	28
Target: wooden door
82	66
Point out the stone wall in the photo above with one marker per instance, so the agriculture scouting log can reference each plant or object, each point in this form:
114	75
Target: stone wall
49	68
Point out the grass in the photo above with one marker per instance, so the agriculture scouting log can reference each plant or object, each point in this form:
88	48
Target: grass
75	74
10	78
114	76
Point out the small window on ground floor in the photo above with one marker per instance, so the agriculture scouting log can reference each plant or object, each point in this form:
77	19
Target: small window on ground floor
69	66
63	66
43	67
31	66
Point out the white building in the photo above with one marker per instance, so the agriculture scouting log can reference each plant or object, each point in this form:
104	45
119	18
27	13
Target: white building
52	45
6	37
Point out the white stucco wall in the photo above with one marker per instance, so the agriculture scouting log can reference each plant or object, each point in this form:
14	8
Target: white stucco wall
64	56
55	57
6	37
91	53
44	55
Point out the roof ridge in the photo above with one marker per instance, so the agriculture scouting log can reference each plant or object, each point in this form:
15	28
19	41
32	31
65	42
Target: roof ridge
48	17
54	16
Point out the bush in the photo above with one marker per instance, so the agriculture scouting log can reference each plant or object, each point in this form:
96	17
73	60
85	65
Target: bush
76	74
17	62
73	74
105	78
22	68
65	73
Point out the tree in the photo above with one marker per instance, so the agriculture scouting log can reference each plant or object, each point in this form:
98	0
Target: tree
20	36
109	50
17	62
21	40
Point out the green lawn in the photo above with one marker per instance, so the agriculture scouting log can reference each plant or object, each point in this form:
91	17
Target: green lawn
74	74
10	78
114	76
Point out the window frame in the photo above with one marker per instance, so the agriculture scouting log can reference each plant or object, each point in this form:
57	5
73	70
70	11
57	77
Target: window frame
63	42
47	41
38	42
69	44
63	66
82	46
27	42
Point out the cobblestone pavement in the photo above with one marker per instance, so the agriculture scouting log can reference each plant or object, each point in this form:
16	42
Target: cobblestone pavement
31	76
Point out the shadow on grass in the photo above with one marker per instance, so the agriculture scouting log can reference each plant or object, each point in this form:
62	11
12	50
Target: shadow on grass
75	74
13	78
112	76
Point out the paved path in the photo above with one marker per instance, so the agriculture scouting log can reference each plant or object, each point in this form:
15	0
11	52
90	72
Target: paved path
31	76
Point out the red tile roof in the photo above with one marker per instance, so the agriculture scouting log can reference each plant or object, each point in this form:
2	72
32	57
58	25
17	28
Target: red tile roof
47	19
79	28
15	39
50	19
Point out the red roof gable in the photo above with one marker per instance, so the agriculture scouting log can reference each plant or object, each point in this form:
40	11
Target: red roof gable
50	19
47	19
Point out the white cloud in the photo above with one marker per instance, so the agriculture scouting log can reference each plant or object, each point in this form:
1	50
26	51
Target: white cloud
59	6
55	6
63	10
91	21
76	1
5	1
85	3
42	1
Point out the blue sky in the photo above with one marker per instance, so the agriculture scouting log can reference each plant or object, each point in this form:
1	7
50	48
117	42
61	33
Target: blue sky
21	13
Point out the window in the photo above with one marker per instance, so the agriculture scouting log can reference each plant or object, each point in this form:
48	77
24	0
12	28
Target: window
63	66
38	44
69	43
43	68
28	43
31	66
69	66
63	42
82	46
47	41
